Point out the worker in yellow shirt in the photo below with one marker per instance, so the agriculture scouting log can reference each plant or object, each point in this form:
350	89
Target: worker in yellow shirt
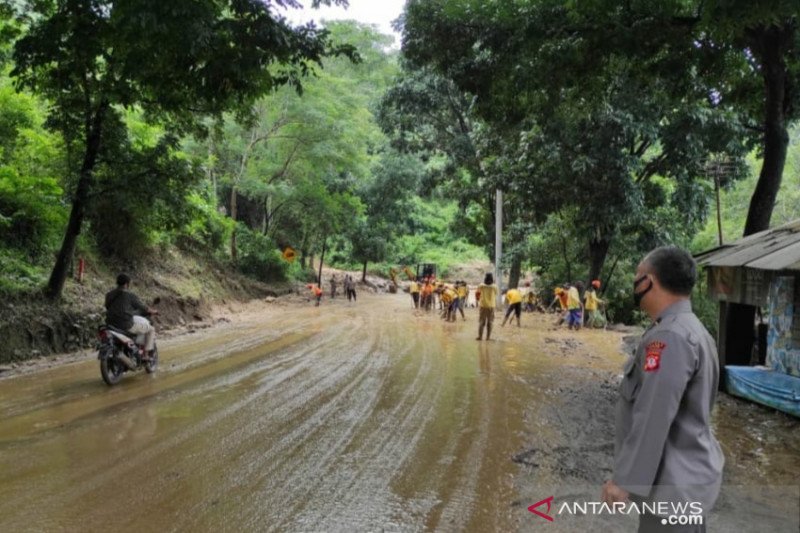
530	301
593	317
575	306
514	302
486	305
463	293
413	289
449	302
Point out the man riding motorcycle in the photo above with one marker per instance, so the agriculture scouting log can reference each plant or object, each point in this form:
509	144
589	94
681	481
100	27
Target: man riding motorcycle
125	311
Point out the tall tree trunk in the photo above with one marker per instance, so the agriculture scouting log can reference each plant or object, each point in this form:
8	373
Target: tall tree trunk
598	251
210	170
58	276
770	45
514	273
304	251
234	214
267	214
364	273
610	275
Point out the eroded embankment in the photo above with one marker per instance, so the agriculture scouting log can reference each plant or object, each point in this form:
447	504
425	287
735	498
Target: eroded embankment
183	289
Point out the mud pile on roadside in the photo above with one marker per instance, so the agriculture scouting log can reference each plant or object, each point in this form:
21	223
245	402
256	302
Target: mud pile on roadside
582	409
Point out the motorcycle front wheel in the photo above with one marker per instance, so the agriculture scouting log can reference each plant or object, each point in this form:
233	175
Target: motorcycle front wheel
151	365
111	370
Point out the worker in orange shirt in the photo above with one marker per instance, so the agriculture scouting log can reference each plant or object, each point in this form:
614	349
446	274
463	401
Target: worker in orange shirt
427	295
561	297
316	291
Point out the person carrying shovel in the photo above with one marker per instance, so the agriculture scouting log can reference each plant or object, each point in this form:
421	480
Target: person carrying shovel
592	303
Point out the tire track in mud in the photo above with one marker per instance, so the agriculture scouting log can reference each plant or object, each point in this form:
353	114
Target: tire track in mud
109	467
455	490
357	490
306	458
81	401
250	462
274	469
359	419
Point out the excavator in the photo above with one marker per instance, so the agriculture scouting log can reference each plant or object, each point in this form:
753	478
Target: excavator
427	271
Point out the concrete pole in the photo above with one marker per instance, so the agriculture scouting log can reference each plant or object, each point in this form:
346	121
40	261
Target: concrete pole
719	209
498	242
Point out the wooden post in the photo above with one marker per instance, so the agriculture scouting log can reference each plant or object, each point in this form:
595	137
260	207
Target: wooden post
722	334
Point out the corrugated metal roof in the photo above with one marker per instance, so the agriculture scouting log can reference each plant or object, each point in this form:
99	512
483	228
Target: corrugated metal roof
773	249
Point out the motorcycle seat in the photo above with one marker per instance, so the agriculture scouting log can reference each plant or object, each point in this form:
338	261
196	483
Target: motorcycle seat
120	331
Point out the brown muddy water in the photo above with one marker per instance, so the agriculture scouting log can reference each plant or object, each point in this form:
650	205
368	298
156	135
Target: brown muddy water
361	417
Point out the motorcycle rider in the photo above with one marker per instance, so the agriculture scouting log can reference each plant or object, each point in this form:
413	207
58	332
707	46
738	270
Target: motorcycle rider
125	312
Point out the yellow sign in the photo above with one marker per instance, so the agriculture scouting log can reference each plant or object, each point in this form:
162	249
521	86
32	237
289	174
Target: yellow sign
289	254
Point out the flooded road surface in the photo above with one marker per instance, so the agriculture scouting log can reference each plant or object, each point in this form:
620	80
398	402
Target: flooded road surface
340	418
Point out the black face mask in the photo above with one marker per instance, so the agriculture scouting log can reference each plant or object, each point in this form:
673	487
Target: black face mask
638	296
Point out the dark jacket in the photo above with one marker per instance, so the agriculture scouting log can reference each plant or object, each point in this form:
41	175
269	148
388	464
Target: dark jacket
121	306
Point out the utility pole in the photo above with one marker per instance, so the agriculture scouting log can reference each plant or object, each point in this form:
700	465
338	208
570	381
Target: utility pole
719	209
498	241
718	167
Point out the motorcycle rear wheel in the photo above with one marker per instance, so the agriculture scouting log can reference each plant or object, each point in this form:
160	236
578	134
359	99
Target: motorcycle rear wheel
111	370
151	365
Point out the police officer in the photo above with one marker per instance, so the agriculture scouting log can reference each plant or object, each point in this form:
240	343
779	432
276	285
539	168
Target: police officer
665	450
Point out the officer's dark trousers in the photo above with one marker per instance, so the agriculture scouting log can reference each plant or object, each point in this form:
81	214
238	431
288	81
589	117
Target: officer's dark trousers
650	523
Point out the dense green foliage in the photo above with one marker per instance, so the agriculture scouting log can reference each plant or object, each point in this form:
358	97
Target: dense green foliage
173	61
302	170
602	123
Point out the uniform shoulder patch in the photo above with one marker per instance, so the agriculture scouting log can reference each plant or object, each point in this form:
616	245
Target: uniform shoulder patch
652	358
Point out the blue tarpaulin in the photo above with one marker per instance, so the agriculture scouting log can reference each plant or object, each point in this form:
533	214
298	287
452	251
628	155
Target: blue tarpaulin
767	387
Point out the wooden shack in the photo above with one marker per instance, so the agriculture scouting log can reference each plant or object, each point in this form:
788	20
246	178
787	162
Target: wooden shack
759	276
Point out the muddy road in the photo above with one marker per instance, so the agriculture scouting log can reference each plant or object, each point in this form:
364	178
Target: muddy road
340	418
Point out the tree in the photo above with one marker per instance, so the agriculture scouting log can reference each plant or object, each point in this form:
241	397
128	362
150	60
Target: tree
594	132
765	38
387	195
31	163
175	60
268	162
424	113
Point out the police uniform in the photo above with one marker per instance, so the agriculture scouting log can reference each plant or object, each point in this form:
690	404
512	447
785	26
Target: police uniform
665	450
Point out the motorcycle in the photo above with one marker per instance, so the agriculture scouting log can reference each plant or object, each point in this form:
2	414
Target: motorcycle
120	352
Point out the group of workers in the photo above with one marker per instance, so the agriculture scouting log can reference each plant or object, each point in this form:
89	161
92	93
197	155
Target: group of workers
579	307
451	297
349	289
